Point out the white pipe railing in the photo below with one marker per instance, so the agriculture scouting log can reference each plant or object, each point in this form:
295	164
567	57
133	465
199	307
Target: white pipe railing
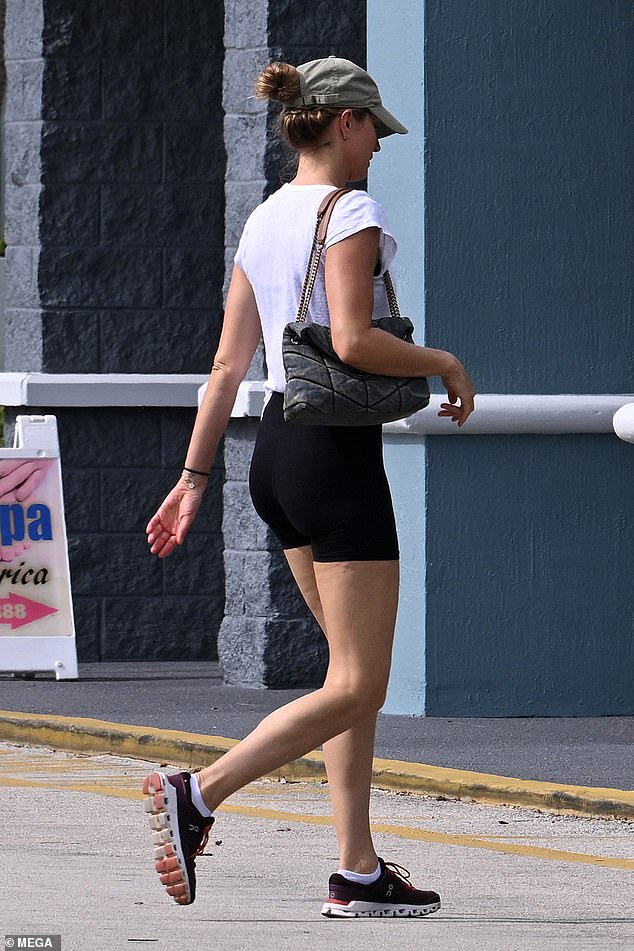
496	413
500	413
623	422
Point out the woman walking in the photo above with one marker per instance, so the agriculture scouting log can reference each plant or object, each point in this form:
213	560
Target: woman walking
321	489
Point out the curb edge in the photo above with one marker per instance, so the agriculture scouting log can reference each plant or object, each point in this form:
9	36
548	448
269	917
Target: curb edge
195	750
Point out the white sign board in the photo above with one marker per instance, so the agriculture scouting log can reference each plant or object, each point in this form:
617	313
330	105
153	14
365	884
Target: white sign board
37	631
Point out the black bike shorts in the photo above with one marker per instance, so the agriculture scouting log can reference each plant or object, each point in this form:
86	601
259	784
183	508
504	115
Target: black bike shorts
323	486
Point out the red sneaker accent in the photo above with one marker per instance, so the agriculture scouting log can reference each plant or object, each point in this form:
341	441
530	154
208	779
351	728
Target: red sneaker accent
180	832
392	895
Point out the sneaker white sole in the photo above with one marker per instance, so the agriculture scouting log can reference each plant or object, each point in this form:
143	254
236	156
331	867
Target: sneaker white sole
369	909
162	805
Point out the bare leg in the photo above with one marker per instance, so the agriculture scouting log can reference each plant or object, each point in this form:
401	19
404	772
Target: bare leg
358	601
348	756
348	759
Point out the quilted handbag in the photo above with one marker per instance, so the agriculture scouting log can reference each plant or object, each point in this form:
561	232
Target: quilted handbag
321	390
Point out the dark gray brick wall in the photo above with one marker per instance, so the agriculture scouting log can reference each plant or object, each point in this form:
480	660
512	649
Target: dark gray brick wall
115	224
132	171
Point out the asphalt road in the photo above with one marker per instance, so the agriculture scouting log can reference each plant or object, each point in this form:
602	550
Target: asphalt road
77	862
582	751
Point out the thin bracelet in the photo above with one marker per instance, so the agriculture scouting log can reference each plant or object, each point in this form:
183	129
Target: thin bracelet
197	472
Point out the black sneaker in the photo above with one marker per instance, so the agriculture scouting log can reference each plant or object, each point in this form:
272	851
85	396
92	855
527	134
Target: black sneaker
180	832
391	896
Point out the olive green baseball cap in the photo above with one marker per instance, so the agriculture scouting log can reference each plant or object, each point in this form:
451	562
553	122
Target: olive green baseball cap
340	83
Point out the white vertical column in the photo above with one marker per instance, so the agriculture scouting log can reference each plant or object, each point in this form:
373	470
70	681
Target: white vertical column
395	59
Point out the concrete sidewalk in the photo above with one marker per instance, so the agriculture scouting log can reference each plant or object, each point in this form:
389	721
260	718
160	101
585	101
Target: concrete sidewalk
182	713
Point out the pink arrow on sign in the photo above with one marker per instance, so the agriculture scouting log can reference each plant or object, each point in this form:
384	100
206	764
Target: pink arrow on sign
18	611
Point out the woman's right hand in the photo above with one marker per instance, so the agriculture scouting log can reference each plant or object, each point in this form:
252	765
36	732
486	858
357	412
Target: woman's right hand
169	526
460	392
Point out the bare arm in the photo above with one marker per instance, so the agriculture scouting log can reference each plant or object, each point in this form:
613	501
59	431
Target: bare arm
240	336
349	287
239	339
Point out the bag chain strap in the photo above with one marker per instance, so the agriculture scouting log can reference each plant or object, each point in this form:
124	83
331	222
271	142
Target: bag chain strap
391	295
311	274
312	269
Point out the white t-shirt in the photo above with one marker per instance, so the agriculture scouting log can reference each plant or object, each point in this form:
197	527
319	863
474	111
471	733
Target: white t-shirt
274	250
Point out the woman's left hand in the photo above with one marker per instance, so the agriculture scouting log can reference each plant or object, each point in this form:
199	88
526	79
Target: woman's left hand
461	395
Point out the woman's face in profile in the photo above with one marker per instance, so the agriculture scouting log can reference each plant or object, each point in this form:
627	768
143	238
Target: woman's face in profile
364	143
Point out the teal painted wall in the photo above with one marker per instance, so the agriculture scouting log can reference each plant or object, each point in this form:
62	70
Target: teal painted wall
523	179
529	151
529	576
530	548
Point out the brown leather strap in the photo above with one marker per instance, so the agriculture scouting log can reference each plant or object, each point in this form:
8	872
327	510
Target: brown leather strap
325	210
324	213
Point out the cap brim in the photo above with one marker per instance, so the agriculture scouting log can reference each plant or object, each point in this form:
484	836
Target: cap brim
386	123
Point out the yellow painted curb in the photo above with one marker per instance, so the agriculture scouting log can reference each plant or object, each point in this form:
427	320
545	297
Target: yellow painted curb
193	750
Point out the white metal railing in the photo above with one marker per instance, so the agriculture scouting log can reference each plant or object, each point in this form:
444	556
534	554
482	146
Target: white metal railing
500	413
496	413
623	422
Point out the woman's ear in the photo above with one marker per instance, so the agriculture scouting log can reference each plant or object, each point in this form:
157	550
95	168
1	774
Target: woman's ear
345	123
